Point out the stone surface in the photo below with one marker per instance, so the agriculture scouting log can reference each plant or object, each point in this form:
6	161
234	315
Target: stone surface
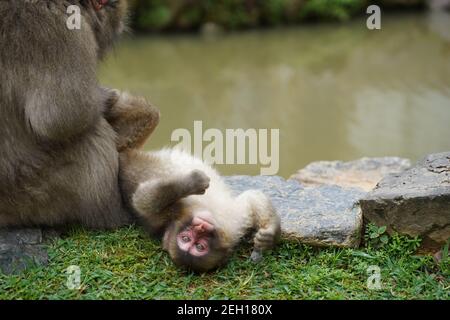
363	173
321	216
21	248
439	4
415	202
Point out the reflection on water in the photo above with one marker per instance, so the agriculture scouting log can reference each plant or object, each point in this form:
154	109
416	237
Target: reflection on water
334	91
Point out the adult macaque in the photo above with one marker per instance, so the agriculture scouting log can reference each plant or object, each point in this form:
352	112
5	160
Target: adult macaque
61	134
58	158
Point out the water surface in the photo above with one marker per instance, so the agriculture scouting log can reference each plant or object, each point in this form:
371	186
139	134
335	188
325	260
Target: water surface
334	91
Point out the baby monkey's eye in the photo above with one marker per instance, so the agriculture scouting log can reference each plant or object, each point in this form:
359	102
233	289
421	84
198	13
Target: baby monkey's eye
200	247
185	239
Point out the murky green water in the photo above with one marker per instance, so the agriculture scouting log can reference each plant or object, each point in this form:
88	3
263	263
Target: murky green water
334	91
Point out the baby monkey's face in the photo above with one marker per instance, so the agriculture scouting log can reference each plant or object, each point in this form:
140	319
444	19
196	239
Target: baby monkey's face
195	239
196	243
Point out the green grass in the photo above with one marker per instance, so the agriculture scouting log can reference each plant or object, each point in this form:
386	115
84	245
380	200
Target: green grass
125	264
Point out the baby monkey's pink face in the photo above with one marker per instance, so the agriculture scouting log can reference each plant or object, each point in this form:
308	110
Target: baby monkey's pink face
195	238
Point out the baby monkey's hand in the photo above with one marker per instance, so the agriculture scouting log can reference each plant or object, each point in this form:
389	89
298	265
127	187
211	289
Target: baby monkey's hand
197	183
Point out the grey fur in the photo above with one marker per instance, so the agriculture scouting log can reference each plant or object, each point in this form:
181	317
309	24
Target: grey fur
58	158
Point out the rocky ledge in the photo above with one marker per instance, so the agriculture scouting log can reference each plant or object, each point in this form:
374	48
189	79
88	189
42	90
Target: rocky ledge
321	216
363	173
415	202
323	205
319	205
20	248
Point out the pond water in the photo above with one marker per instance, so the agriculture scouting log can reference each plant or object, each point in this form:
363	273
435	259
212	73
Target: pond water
334	91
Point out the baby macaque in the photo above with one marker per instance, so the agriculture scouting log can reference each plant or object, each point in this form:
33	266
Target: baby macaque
181	199
187	203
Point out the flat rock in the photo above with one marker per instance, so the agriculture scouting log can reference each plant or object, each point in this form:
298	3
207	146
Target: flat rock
415	202
320	216
20	248
363	173
439	4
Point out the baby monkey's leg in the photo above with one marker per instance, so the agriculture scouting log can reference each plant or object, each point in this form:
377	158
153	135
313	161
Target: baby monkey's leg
153	196
133	119
265	220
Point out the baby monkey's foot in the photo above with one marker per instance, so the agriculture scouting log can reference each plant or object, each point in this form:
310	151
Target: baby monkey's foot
265	239
197	182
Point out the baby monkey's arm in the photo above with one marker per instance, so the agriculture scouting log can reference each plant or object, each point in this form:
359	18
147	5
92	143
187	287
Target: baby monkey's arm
153	197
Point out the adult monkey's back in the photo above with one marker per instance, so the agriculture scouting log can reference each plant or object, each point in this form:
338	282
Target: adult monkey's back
58	158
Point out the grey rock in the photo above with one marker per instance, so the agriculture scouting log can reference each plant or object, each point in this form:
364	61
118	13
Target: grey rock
415	202
21	248
320	216
363	173
438	5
